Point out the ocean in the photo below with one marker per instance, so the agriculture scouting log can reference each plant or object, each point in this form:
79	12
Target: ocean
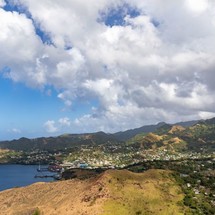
19	175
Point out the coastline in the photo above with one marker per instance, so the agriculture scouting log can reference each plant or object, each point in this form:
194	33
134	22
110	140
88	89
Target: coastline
18	175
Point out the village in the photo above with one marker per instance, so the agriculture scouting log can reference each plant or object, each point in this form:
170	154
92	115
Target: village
194	171
102	156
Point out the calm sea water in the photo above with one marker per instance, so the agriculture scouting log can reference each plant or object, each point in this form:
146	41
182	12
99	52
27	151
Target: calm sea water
18	176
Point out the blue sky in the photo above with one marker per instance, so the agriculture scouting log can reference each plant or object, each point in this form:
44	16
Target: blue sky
77	66
25	109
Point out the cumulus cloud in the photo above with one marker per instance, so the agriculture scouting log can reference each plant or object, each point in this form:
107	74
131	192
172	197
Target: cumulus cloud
65	122
16	130
157	64
50	126
59	126
197	6
2	3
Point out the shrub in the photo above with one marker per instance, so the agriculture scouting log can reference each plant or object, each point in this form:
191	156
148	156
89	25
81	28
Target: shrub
37	212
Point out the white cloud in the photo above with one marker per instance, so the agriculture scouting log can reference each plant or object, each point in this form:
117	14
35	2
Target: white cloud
206	115
2	3
59	126
16	130
65	122
197	6
50	126
157	66
20	47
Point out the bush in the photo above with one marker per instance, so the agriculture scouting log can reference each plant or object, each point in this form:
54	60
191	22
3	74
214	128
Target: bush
37	212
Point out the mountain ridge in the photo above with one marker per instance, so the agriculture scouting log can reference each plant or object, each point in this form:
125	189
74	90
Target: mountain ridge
98	138
199	136
125	135
59	142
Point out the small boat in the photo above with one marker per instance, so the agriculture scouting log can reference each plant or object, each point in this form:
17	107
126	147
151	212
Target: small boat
42	170
39	169
51	168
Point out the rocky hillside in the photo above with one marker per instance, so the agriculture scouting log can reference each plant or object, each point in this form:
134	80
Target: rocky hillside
114	192
200	136
128	134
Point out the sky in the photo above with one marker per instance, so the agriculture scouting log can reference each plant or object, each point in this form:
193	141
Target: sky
76	66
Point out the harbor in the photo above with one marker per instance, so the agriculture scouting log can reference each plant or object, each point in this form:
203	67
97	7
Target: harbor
45	172
16	175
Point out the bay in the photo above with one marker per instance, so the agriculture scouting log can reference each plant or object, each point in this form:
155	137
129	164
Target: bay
19	175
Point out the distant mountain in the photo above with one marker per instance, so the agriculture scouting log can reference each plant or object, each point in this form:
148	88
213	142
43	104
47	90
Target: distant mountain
194	132
126	135
199	136
59	142
187	123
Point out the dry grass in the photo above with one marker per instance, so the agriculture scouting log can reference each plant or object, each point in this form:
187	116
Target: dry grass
112	193
153	192
176	128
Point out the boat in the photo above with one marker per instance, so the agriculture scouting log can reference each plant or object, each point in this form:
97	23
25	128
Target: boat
39	169
51	168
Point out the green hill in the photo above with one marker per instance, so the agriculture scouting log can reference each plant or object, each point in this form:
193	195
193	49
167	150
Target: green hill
194	135
152	192
59	142
200	136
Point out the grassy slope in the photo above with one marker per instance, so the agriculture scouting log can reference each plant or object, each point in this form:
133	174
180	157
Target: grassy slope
152	192
178	138
5	155
115	192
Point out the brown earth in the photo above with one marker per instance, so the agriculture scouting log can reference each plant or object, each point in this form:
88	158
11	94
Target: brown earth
64	197
175	129
112	192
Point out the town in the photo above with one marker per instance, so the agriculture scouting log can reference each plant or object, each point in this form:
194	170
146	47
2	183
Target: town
194	171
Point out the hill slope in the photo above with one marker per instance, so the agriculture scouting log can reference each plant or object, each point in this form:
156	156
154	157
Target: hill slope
126	135
176	137
113	192
59	142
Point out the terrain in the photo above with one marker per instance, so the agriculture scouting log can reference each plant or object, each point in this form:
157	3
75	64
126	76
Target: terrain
114	192
190	132
176	138
128	134
59	142
160	141
172	172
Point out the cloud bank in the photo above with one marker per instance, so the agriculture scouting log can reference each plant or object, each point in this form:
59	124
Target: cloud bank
142	61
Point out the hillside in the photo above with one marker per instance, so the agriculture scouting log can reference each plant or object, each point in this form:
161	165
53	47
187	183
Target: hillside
114	192
191	134
200	136
128	134
59	142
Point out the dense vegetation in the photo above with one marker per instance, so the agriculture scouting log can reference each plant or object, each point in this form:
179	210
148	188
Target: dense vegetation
59	142
198	137
196	179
